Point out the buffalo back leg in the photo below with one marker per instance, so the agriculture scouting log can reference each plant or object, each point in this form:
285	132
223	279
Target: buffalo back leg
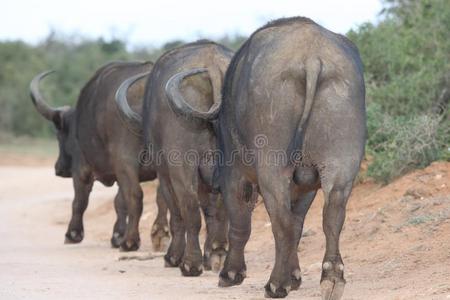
275	187
214	249
128	181
186	196
160	229
120	226
236	193
82	188
300	209
332	281
177	244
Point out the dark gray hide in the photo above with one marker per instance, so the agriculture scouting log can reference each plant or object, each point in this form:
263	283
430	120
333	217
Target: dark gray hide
294	96
292	121
195	73
95	144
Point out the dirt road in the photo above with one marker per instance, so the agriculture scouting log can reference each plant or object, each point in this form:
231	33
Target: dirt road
395	244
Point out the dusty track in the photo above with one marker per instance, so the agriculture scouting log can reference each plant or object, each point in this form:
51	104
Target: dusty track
395	244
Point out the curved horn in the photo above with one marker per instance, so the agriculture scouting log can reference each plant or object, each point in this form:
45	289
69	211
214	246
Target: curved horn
38	100
122	101
180	106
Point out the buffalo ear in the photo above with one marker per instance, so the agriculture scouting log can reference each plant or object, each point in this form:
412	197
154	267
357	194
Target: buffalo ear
58	120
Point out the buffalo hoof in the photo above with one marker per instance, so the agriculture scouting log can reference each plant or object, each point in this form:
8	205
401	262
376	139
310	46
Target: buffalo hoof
272	291
188	270
160	237
116	239
332	290
215	260
74	236
171	261
130	245
296	279
230	278
207	264
332	282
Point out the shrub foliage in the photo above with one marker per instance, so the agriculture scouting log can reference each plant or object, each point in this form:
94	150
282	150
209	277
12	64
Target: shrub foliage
407	70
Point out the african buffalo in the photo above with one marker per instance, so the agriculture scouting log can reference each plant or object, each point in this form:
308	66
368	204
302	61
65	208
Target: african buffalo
178	147
96	144
292	121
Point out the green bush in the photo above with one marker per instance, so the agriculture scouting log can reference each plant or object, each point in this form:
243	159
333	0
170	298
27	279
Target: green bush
407	55
400	144
406	58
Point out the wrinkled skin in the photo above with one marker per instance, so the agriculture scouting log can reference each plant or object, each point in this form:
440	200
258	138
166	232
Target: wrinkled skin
94	144
186	186
296	78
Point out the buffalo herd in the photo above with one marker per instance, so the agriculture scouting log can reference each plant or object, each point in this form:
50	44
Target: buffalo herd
281	118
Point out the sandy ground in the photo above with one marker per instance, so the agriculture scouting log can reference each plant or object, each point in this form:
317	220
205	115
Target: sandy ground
395	244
